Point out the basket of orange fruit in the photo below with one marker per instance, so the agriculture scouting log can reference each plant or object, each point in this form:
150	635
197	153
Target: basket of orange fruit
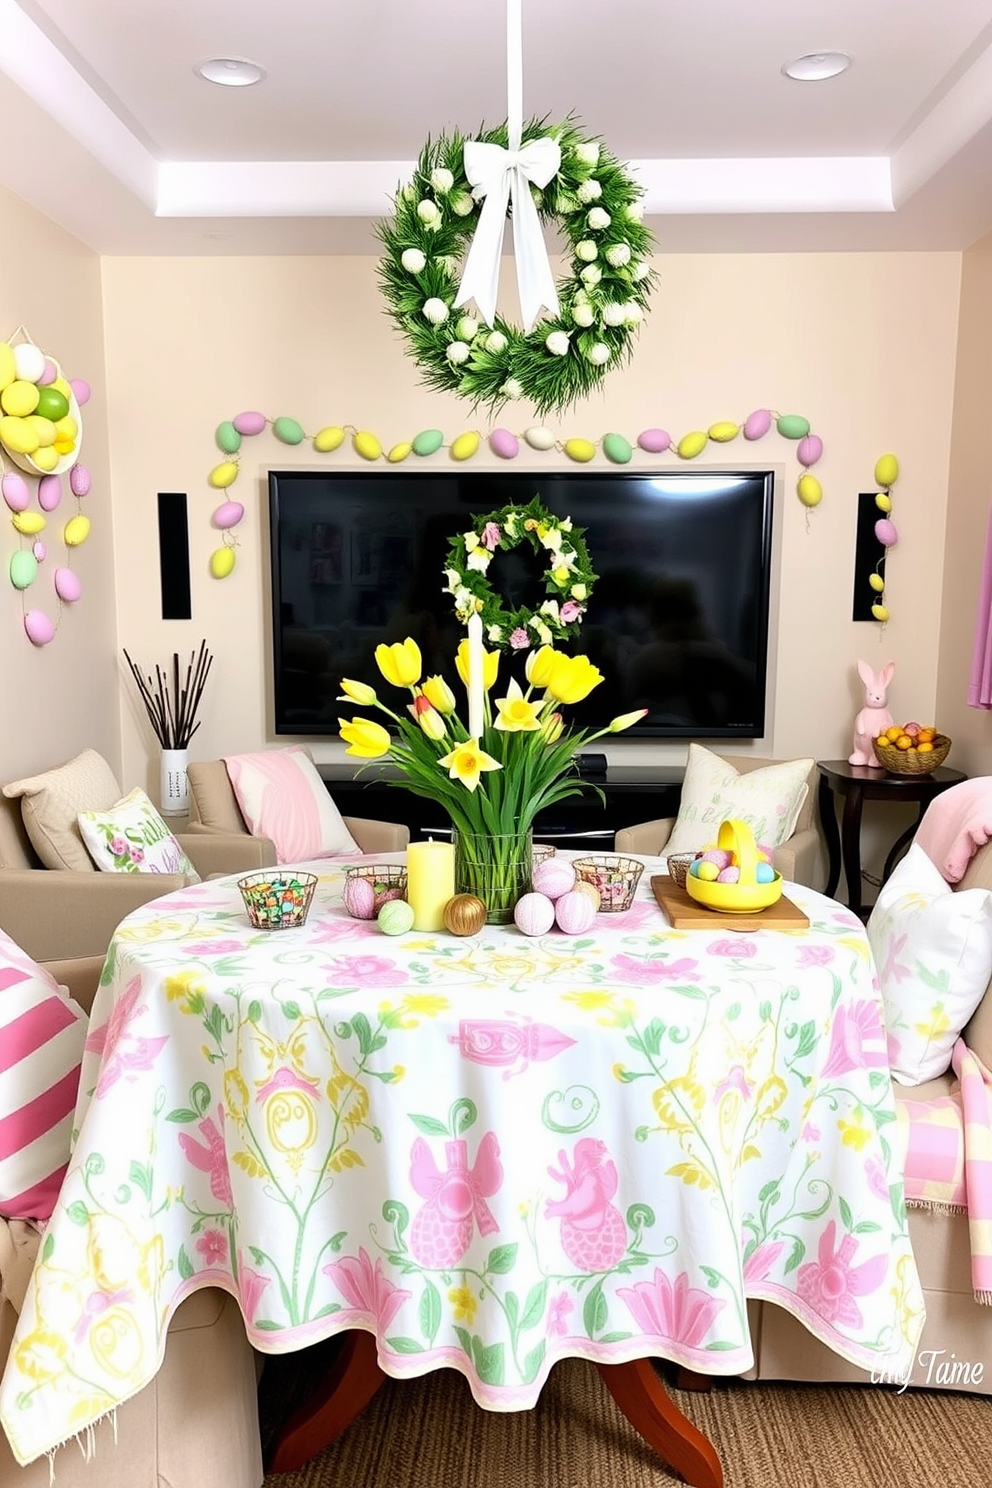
911	749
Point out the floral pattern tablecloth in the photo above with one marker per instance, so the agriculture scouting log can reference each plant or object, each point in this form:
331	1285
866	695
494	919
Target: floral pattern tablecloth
493	1153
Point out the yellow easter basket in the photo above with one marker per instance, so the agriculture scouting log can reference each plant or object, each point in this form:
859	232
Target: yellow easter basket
747	895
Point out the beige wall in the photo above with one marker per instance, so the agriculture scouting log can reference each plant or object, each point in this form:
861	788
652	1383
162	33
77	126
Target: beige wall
60	698
863	345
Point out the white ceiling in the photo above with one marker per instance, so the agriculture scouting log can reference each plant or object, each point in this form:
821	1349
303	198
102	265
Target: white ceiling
105	126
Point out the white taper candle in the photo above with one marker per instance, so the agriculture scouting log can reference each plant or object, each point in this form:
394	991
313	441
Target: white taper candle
476	682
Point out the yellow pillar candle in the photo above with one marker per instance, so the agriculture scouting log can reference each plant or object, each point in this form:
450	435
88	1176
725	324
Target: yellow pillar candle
430	882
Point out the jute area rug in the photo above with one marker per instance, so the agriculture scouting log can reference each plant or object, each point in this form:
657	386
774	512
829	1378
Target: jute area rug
428	1433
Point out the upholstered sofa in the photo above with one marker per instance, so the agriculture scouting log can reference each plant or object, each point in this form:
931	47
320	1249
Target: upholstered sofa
955	1324
196	1423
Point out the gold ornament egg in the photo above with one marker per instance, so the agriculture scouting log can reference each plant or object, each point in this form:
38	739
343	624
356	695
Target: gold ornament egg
464	915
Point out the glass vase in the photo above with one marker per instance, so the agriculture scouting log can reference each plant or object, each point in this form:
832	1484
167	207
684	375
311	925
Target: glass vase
495	869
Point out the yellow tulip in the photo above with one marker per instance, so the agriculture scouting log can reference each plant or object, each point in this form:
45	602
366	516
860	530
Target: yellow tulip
400	663
552	727
357	692
626	719
364	738
466	763
428	717
572	678
439	694
516	714
539	666
490	666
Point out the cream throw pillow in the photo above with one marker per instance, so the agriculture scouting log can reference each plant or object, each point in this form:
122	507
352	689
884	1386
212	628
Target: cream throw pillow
932	949
282	797
51	803
133	838
768	800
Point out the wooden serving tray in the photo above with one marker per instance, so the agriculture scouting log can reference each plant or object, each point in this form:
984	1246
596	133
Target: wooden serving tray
686	914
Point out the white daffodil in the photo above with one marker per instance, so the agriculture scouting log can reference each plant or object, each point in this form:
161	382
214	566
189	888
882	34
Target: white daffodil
551	539
480	560
472	540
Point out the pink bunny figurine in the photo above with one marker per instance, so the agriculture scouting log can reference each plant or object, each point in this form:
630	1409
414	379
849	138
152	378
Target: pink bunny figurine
874	717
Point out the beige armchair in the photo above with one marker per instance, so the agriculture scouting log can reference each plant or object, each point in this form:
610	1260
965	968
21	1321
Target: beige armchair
197	1422
56	914
802	859
213	808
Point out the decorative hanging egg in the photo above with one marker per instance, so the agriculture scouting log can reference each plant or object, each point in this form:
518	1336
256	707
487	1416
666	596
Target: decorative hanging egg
29	361
228	514
427	442
464	914
723	432
76	531
465	446
15	491
79	480
877	582
691	445
880	612
223	475
23	569
654	441
28	523
617	449
504	444
288	430
39	550
580	450
222	562
67	585
886	470
809	489
81	390
883	502
554	877
539	438
574	913
249	423
49	492
757	424
228	437
399	452
809	449
792	426
366	445
39	628
534	914
886	532
328	439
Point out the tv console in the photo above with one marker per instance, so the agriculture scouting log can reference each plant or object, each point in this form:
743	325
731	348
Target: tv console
633	793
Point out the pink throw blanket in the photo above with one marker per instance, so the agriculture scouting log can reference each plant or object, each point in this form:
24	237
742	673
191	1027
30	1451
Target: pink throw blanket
955	825
949	1158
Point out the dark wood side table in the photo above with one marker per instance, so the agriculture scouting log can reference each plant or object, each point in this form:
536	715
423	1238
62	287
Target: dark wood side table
858	784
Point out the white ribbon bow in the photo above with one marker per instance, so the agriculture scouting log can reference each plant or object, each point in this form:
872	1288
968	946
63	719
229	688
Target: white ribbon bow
501	178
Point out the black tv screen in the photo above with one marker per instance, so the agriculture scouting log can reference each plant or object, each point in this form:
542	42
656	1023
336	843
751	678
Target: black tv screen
677	621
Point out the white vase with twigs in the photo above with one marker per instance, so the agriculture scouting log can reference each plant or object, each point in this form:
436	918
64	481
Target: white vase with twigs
172	702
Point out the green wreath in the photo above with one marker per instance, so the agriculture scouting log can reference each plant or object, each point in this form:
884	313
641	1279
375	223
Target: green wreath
601	304
568	582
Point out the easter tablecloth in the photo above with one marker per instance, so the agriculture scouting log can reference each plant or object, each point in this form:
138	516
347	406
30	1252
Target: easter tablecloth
493	1153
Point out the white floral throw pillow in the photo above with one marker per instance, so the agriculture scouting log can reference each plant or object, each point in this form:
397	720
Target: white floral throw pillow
768	800
933	953
132	837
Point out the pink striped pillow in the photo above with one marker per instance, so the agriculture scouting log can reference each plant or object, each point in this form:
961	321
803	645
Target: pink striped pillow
282	796
42	1032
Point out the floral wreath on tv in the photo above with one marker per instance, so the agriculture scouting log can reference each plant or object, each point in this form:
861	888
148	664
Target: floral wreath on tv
568	581
598	207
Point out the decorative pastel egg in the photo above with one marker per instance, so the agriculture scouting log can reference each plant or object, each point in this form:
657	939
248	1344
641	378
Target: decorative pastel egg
222	562
465	446
81	390
539	438
40	630
617	449
809	449
49	492
574	913
880	613
39	550
228	514
723	432
249	423
19	398
718	856
366	445
534	914
23	569
17	435
43	427
757	424
792	426
51	404
79	480
359	898
886	470
554	877
228	437
765	873
883	502
29	361
654	441
809	490
580	450
729	876
877	582
395	917
504	444
708	872
427	442
67	585
49	374
288	430
223	475
328	439
886	532
399	452
15	491
582	886
464	914
691	445
47	459
76	531
28	523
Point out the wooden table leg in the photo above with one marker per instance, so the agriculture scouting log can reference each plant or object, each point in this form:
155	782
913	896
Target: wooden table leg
641	1395
340	1396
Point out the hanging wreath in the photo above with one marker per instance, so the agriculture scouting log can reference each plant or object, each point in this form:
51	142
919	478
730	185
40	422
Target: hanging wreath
568	579
596	204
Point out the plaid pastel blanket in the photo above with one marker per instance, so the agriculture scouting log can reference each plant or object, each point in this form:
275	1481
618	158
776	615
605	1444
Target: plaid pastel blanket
948	1142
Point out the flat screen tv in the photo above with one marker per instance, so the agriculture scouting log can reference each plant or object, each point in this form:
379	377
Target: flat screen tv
677	621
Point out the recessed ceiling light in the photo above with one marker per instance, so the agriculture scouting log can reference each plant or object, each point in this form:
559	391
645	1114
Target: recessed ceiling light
816	66
230	72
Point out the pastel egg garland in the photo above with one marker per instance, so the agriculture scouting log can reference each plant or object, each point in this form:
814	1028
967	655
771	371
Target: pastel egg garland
41	434
617	448
886	475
